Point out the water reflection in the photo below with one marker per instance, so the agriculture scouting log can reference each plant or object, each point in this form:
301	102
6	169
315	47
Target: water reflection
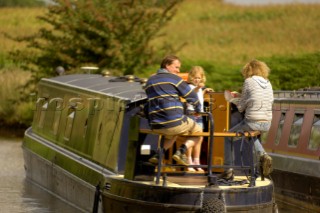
40	201
18	195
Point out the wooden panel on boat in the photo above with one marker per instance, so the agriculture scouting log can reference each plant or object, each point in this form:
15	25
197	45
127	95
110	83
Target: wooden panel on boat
284	129
220	110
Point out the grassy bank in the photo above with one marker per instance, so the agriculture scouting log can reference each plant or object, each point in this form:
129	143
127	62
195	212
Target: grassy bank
220	37
224	37
18	22
226	34
12	111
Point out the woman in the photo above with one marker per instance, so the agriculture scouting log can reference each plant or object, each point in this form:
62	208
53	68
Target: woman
256	102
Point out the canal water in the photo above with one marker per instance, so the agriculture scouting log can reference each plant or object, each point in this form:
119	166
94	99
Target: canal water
17	195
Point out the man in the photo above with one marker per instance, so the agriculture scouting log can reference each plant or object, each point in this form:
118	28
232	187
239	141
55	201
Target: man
165	109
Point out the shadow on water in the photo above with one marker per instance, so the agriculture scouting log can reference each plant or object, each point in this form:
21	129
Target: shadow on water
12	132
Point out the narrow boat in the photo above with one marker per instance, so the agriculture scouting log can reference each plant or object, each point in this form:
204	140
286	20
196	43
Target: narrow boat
89	144
294	144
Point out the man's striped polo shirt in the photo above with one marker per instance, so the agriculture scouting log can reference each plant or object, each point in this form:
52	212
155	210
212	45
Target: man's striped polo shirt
165	108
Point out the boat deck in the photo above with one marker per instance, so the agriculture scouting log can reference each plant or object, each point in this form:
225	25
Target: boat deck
202	182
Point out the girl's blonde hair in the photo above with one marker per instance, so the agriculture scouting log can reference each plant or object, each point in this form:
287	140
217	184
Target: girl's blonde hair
255	67
196	70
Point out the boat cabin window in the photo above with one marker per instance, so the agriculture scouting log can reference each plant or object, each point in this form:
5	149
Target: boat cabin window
314	142
43	111
280	127
56	118
85	128
100	132
69	124
263	138
295	130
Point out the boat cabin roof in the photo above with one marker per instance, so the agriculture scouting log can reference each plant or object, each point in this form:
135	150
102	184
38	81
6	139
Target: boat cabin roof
111	86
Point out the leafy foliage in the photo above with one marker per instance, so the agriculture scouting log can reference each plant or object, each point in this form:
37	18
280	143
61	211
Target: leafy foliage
287	72
219	76
116	35
296	72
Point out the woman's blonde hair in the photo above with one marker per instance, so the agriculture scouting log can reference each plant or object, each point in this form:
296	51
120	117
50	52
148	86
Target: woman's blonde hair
255	67
196	70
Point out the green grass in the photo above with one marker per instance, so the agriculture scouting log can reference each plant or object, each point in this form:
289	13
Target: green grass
15	22
13	112
18	22
227	34
220	37
223	37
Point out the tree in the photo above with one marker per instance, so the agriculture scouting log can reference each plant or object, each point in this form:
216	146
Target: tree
105	33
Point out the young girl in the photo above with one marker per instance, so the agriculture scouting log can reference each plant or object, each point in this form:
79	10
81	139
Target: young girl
196	80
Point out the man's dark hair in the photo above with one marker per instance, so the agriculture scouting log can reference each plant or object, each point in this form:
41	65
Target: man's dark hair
168	60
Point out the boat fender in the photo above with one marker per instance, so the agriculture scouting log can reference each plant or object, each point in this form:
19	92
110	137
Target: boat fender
107	186
213	204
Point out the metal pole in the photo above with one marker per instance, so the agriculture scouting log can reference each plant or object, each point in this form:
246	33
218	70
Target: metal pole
96	199
211	144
